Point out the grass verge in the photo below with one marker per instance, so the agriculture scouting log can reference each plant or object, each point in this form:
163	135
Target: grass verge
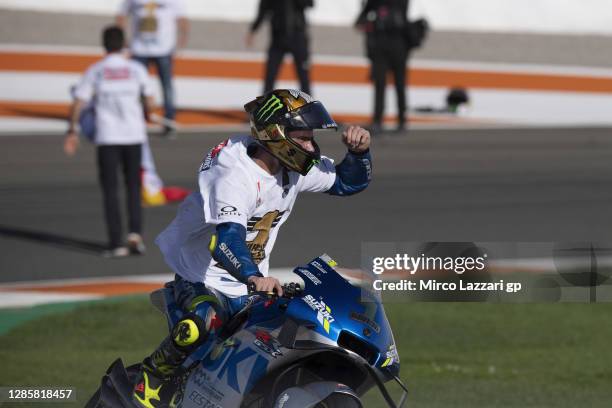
460	355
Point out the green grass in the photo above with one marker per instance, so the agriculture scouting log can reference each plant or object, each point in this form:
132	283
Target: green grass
75	348
505	355
458	355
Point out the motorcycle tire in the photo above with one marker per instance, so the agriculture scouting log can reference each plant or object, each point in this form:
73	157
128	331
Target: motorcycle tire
339	401
262	400
333	401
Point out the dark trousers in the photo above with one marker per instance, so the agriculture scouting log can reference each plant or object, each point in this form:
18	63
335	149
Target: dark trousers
297	45
389	54
164	70
110	158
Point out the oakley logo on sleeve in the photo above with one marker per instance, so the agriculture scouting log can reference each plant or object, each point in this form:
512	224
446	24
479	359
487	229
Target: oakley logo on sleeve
228	210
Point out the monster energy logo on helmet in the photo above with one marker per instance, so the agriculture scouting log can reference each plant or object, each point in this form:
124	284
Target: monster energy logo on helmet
275	115
272	105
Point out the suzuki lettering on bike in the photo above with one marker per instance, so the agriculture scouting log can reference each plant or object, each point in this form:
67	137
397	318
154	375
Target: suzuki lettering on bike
324	315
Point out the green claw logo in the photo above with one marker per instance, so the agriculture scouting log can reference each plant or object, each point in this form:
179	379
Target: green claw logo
272	105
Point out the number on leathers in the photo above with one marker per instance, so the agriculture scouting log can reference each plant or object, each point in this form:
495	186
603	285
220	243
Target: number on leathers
258	244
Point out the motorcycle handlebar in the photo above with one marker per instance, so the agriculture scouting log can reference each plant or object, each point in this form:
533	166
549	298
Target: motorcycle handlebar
290	290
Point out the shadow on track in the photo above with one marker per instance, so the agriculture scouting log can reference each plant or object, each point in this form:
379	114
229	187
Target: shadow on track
72	244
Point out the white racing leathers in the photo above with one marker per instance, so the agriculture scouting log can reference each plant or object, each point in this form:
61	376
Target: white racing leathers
233	188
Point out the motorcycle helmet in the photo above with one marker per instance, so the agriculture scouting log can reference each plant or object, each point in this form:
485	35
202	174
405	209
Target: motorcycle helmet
274	115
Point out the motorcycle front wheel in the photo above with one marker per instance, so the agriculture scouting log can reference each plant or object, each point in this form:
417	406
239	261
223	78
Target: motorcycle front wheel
267	393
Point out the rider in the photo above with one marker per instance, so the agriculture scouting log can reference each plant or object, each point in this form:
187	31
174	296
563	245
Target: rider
247	188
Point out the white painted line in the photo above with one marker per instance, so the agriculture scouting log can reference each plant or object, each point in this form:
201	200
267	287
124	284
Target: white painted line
501	106
28	299
161	278
9	126
152	278
11	296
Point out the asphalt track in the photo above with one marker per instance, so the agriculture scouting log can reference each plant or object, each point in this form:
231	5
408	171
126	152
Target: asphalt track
428	185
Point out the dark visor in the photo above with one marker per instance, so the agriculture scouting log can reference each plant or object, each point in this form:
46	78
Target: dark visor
311	116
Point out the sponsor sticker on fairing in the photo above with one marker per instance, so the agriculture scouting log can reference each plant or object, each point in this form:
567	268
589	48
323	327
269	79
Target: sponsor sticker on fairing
360	317
267	343
324	316
310	276
328	260
391	356
318	266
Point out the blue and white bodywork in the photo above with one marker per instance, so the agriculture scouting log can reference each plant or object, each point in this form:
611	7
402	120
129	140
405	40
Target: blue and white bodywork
330	342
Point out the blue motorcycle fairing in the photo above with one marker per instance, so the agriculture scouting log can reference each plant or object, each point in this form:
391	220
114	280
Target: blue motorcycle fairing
329	304
330	292
236	364
275	336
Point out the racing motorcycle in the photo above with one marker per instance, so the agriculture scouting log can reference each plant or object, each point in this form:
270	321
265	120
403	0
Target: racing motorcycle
321	345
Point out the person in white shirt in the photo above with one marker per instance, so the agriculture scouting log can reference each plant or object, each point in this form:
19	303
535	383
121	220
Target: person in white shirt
158	28
116	87
247	188
154	193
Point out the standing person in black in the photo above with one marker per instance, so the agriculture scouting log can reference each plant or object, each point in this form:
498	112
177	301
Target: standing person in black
385	23
288	34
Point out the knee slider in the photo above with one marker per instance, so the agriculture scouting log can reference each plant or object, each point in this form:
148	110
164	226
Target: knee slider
193	329
188	332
